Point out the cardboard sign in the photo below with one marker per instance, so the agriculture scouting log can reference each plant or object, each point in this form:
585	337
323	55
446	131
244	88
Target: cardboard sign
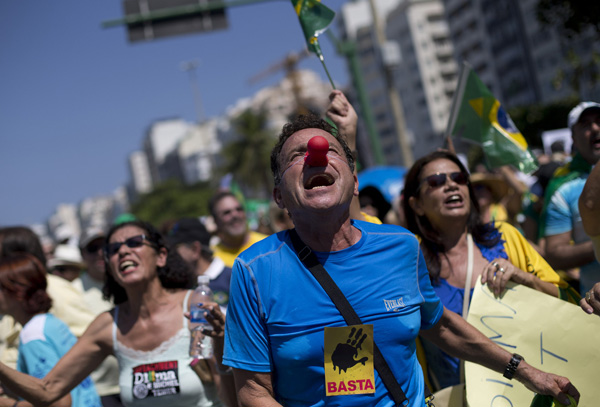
349	360
552	335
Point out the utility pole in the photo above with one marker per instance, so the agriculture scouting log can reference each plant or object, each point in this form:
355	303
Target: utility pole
393	95
190	68
347	49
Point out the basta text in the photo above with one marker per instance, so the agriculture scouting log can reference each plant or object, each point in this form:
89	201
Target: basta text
350	385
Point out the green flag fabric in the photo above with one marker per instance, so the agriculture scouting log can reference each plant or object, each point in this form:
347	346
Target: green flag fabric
477	116
314	18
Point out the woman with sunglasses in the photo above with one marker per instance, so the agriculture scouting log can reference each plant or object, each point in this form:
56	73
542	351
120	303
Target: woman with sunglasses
146	331
440	207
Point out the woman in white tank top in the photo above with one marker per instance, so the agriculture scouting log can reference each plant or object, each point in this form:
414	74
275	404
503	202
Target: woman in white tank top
146	331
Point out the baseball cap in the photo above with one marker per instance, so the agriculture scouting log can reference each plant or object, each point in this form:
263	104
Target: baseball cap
188	230
90	234
124	218
578	110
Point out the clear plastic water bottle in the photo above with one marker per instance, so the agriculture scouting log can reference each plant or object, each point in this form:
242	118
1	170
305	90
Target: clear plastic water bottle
201	346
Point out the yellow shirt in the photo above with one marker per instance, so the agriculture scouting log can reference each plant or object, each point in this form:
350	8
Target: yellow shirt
371	219
228	255
105	376
524	256
498	213
92	293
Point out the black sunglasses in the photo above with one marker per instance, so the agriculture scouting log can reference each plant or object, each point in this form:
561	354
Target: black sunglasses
63	269
133	242
93	248
439	179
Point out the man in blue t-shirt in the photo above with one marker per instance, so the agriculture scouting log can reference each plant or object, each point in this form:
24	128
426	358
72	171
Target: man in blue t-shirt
567	244
284	338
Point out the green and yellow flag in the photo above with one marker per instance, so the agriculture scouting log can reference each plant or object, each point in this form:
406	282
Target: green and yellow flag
314	18
478	117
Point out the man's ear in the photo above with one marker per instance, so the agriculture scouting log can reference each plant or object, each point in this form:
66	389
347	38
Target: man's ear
355	193
277	197
197	249
416	206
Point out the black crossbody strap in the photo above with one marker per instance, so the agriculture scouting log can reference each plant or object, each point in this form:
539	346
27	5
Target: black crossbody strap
311	262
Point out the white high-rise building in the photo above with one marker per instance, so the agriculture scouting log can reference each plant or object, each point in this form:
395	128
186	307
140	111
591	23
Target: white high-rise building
97	212
162	139
139	171
63	224
197	152
514	55
356	24
279	102
427	75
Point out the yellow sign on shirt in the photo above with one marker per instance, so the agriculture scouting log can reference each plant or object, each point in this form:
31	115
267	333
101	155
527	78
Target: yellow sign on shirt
552	335
349	360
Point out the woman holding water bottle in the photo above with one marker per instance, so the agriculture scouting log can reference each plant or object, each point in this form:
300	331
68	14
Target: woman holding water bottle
146	331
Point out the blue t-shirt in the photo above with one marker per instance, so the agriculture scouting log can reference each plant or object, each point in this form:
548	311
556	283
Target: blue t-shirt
562	215
278	311
42	342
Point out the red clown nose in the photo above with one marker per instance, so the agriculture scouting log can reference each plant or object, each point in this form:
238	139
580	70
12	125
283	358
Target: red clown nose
316	156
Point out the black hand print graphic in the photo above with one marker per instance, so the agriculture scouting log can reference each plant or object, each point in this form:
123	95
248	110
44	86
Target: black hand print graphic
344	353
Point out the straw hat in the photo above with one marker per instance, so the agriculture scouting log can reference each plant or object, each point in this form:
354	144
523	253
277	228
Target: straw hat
494	182
66	255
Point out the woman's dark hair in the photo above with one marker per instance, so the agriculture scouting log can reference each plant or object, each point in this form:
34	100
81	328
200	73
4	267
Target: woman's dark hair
23	277
176	274
420	225
20	239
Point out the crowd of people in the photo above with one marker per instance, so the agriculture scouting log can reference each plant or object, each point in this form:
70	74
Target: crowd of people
105	322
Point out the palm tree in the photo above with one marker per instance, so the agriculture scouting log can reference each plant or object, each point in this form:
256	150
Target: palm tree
248	158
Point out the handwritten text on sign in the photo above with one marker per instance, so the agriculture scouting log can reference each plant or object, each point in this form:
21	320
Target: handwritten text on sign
551	334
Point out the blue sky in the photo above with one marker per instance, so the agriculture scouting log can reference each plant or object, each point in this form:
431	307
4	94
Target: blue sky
76	98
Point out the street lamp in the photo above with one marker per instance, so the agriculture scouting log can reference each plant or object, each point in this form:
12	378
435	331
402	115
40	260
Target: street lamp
190	68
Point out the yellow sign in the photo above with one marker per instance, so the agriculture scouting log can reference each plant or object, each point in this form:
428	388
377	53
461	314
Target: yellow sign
552	335
349	360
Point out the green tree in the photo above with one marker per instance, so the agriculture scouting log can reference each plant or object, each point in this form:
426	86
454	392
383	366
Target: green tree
248	157
532	120
172	200
583	72
578	22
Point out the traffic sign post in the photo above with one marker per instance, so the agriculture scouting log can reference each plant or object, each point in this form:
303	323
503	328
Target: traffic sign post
151	19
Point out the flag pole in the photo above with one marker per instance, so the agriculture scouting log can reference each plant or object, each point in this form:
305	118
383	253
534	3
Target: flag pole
458	95
314	19
326	71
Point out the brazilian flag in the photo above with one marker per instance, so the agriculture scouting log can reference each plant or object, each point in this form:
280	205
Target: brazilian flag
478	117
314	19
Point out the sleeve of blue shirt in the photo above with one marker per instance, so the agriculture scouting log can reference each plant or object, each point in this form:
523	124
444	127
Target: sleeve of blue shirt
432	309
558	215
37	358
246	339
